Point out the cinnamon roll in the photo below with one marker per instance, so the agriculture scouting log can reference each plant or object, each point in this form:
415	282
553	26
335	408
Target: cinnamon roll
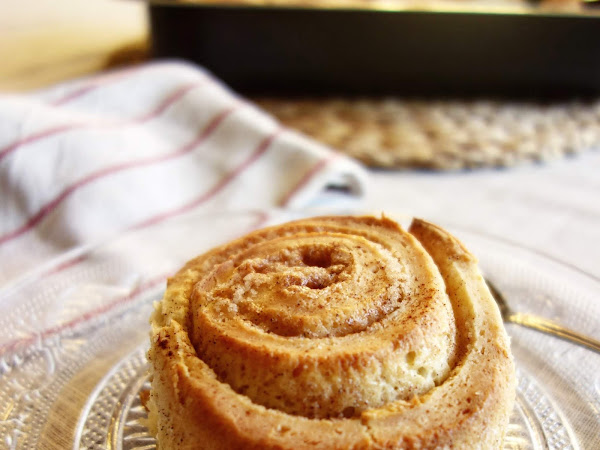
331	332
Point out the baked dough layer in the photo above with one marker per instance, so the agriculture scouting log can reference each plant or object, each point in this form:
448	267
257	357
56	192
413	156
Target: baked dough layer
331	332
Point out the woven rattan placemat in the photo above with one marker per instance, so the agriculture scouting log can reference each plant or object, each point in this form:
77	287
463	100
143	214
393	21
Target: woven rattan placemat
393	133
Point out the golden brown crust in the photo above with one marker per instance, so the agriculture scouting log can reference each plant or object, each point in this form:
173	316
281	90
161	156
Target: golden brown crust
331	332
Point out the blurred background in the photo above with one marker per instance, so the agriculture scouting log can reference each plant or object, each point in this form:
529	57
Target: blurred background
43	42
161	122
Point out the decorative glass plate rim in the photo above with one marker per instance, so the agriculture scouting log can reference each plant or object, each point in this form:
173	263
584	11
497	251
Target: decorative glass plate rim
277	216
134	365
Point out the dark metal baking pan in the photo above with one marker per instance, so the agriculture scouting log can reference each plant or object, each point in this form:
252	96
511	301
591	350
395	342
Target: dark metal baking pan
309	50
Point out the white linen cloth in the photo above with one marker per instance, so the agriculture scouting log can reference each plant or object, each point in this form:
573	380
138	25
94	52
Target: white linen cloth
122	150
552	208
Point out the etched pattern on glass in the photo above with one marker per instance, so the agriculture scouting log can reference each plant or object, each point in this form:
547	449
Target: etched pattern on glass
64	329
535	422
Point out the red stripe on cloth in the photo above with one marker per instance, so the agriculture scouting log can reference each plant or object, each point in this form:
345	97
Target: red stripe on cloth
89	315
315	169
168	101
72	262
36	137
53	204
217	187
262	217
97	82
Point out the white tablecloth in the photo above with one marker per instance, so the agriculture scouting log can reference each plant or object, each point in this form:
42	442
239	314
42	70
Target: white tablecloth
553	208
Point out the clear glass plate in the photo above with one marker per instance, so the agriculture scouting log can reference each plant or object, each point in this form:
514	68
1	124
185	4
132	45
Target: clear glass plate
74	336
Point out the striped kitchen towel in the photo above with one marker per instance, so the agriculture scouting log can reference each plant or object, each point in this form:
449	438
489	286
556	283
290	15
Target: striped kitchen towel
127	149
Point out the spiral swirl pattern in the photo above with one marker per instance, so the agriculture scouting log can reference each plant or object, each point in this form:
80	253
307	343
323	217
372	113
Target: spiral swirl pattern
331	332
